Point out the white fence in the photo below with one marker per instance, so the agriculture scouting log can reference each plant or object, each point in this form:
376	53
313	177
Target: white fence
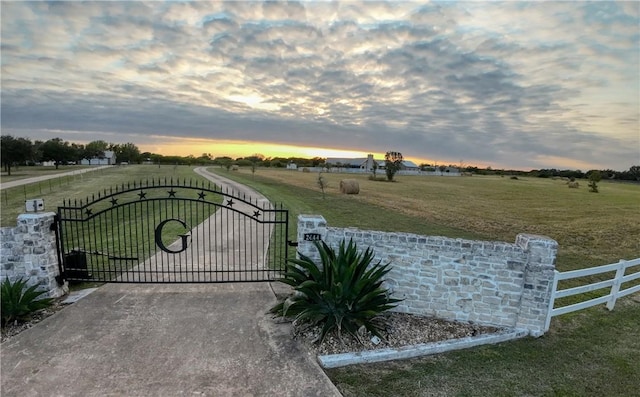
615	283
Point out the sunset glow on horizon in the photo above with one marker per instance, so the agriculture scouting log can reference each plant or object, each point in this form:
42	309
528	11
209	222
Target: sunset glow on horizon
236	149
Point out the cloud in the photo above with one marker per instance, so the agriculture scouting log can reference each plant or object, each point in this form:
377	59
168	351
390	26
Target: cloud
511	84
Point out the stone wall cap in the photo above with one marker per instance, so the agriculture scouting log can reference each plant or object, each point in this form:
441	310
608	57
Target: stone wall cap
310	216
36	215
535	236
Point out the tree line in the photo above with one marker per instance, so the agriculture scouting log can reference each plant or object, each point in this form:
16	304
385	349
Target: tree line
22	151
632	174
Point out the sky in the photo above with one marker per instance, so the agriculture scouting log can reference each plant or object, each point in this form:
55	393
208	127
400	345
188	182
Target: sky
522	85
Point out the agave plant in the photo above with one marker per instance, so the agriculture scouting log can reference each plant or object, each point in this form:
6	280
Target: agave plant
18	301
345	293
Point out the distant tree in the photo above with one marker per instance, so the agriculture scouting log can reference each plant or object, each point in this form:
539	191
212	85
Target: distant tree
15	150
255	158
175	160
322	183
594	177
36	151
58	151
634	170
392	163
95	150
128	153
442	168
78	152
205	158
243	162
316	161
222	161
156	158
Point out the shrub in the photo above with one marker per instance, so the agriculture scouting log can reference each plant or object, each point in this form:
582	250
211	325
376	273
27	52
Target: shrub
344	294
18	302
392	164
594	177
322	183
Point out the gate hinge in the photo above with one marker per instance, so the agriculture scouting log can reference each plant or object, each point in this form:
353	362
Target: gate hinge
292	243
54	225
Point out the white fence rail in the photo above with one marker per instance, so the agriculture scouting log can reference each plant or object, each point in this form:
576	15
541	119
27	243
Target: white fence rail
620	278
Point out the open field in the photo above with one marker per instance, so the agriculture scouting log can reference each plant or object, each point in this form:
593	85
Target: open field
591	228
54	191
592	352
24	172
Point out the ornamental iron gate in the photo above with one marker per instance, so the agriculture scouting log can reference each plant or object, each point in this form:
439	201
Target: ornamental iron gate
159	231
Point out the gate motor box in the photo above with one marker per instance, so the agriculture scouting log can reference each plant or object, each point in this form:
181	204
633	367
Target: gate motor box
34	205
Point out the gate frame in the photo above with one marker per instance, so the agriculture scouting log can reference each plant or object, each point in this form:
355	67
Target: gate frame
83	213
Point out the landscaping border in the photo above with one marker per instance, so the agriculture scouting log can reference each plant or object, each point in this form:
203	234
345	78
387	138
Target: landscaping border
424	349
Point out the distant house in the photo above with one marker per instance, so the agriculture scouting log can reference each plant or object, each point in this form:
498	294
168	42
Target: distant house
109	158
453	170
292	166
345	162
362	163
366	164
409	166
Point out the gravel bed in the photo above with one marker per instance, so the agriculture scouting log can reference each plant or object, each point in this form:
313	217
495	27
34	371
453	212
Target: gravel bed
16	327
402	330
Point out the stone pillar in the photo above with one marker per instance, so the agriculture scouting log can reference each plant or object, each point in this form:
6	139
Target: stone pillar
29	251
309	228
538	281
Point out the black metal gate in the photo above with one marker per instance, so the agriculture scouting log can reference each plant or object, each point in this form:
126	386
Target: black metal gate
159	231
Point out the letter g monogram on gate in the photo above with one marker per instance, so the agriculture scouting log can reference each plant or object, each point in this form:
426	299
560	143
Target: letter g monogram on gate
183	237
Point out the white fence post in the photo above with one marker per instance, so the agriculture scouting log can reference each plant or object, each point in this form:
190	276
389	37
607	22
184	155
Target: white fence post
617	281
552	301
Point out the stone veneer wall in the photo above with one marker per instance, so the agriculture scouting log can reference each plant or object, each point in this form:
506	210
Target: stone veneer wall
29	251
490	283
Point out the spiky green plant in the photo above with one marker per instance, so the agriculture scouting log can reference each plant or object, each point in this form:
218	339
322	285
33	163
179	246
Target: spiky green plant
18	302
345	293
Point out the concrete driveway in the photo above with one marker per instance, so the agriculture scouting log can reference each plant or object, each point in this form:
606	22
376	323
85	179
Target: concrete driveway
163	340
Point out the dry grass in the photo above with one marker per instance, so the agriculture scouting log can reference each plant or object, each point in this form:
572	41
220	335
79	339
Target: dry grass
591	228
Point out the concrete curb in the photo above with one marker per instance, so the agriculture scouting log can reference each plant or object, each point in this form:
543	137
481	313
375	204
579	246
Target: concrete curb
425	349
75	296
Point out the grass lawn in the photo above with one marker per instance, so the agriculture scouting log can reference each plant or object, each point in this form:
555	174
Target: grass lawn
24	172
591	352
54	191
